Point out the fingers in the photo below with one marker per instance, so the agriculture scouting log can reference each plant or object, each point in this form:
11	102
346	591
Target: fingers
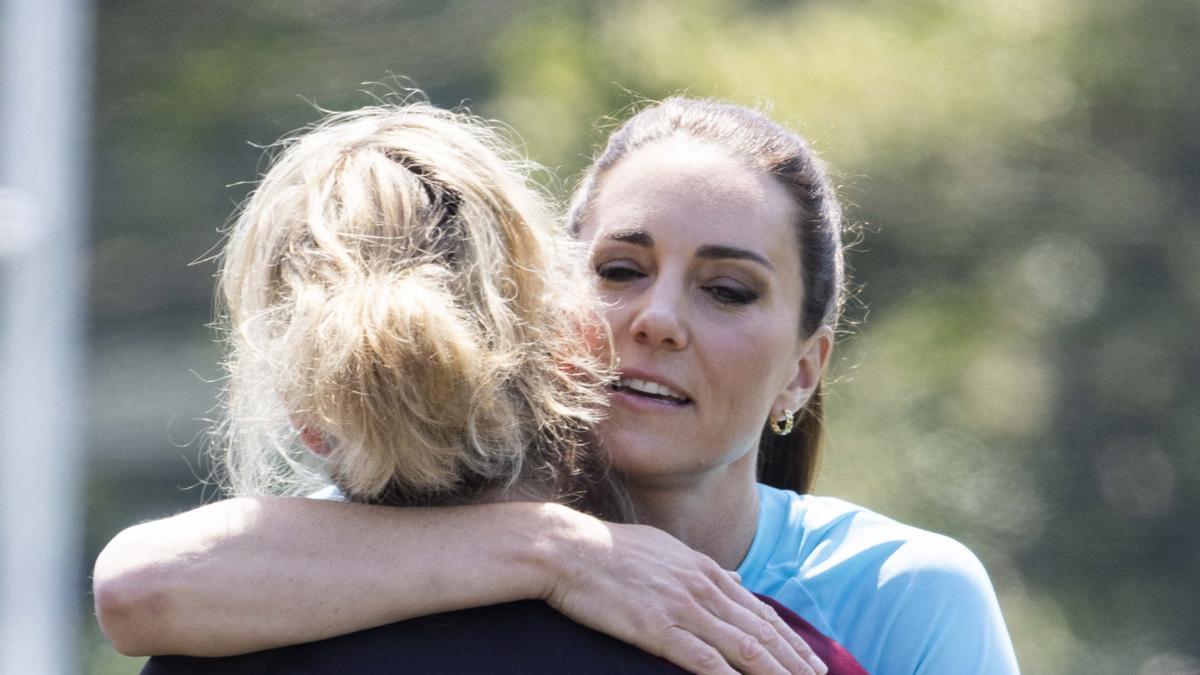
692	654
748	652
729	619
682	606
802	648
759	619
702	629
761	647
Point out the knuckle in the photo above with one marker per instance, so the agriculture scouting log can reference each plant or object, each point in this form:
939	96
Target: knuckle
749	649
765	630
707	660
699	586
768	612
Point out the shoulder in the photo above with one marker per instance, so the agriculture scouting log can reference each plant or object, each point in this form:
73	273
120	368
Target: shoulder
948	617
894	593
518	637
834	529
894	559
913	556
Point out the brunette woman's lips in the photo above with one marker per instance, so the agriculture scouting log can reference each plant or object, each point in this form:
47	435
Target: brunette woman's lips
643	388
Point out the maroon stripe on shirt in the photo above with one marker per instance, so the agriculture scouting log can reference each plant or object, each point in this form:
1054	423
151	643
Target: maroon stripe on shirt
836	657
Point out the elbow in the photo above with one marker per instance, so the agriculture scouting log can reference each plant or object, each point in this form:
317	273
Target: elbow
131	599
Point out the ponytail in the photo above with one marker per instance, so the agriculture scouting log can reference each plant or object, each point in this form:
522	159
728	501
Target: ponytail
391	370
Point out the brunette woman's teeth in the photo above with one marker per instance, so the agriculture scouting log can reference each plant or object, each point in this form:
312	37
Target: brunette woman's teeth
650	388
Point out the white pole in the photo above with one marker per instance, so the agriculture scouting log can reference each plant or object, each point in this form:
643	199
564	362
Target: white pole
43	107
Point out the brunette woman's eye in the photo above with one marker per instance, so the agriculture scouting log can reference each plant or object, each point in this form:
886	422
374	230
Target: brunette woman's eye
618	271
731	295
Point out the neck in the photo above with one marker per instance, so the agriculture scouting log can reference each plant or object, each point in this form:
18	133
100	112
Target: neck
715	514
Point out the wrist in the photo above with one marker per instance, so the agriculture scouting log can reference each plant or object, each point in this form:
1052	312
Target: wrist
553	550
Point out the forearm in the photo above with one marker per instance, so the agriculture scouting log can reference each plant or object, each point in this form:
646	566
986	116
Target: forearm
248	574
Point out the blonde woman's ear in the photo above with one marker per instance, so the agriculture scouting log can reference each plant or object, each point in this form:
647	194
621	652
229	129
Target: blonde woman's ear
313	439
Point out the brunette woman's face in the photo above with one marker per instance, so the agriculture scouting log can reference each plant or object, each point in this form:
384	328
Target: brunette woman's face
696	255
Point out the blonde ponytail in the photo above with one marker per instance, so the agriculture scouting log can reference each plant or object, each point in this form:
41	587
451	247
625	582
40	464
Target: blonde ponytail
395	283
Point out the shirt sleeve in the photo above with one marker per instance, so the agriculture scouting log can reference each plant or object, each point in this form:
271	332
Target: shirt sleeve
942	615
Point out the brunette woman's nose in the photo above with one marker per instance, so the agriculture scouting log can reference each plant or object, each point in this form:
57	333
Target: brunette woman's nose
657	322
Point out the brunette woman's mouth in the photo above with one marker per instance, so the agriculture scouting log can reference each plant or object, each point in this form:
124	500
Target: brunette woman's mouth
650	390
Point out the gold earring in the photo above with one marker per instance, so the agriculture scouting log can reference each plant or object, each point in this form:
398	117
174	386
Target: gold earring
788	422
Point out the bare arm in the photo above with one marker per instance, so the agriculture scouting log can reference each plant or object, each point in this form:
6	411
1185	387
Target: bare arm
248	574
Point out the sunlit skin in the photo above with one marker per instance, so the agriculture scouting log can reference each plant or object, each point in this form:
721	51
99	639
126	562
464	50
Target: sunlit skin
695	253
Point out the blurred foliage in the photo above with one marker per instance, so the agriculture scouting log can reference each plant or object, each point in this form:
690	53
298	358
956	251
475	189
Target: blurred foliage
1022	175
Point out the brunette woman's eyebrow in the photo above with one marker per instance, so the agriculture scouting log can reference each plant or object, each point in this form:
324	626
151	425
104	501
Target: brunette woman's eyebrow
708	251
717	252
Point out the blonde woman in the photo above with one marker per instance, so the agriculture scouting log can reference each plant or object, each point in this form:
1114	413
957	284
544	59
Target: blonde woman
405	321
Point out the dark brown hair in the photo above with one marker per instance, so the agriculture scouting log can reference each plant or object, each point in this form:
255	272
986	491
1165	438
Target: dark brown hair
788	462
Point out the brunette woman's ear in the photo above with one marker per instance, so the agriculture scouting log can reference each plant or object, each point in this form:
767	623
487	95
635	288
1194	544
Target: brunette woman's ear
313	439
812	356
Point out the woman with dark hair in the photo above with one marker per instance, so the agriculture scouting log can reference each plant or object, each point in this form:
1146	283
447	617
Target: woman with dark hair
715	240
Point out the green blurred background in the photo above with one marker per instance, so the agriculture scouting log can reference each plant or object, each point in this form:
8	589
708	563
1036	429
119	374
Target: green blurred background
1023	368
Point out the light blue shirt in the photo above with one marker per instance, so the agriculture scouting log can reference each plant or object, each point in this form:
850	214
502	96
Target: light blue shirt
900	599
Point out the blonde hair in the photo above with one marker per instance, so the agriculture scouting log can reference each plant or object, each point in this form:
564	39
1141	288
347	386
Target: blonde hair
396	284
